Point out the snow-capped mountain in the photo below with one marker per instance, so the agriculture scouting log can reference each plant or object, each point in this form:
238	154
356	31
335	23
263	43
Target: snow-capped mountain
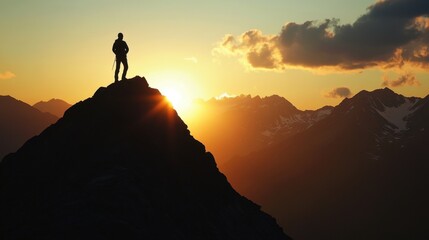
360	173
287	125
386	112
240	125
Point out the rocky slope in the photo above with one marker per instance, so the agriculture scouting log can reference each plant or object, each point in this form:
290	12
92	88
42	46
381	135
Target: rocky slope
123	165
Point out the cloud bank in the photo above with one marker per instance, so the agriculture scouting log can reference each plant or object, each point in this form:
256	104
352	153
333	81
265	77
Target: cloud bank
7	75
405	80
390	34
341	92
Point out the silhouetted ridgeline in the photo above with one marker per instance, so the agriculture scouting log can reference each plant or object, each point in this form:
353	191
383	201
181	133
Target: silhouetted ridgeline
360	173
54	106
19	122
123	165
248	124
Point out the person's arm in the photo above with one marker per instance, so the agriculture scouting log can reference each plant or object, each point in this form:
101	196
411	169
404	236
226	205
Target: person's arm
126	48
114	47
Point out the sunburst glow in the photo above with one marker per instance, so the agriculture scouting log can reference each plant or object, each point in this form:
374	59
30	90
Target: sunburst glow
174	97
175	86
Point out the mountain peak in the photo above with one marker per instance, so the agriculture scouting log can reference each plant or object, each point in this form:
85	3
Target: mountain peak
19	122
378	99
122	164
54	106
9	100
353	162
6	98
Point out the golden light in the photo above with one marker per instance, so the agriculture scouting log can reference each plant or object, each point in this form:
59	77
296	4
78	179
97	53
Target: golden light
174	97
176	87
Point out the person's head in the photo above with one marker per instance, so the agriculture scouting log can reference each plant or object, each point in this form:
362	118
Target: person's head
120	36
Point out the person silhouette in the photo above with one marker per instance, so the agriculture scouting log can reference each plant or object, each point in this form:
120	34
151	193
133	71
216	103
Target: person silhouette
120	48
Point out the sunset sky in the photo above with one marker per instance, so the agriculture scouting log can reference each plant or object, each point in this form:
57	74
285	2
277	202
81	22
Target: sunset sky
203	49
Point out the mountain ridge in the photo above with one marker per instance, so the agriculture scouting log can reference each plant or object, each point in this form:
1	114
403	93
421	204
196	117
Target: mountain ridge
54	106
18	122
122	164
249	123
351	175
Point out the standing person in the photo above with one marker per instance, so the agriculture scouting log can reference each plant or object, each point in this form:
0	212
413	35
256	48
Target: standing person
120	48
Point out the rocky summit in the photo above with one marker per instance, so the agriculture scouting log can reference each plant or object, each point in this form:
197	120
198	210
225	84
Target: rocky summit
123	165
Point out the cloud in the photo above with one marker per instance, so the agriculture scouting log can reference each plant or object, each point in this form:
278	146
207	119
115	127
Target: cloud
407	79
340	92
390	34
260	51
7	75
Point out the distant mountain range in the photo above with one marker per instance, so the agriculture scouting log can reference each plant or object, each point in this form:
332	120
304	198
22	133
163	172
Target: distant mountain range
54	106
360	173
19	122
123	165
240	125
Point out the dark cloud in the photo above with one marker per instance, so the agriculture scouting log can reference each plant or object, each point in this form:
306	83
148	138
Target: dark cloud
405	80
7	75
341	92
391	33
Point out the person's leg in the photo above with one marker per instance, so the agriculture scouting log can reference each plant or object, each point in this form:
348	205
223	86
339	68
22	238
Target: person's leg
118	65
124	73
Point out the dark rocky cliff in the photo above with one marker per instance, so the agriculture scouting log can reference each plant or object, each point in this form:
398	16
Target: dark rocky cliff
123	165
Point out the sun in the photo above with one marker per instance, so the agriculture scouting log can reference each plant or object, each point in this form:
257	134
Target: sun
177	87
178	99
174	97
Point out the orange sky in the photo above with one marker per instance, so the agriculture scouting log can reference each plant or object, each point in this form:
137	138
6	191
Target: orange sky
62	49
